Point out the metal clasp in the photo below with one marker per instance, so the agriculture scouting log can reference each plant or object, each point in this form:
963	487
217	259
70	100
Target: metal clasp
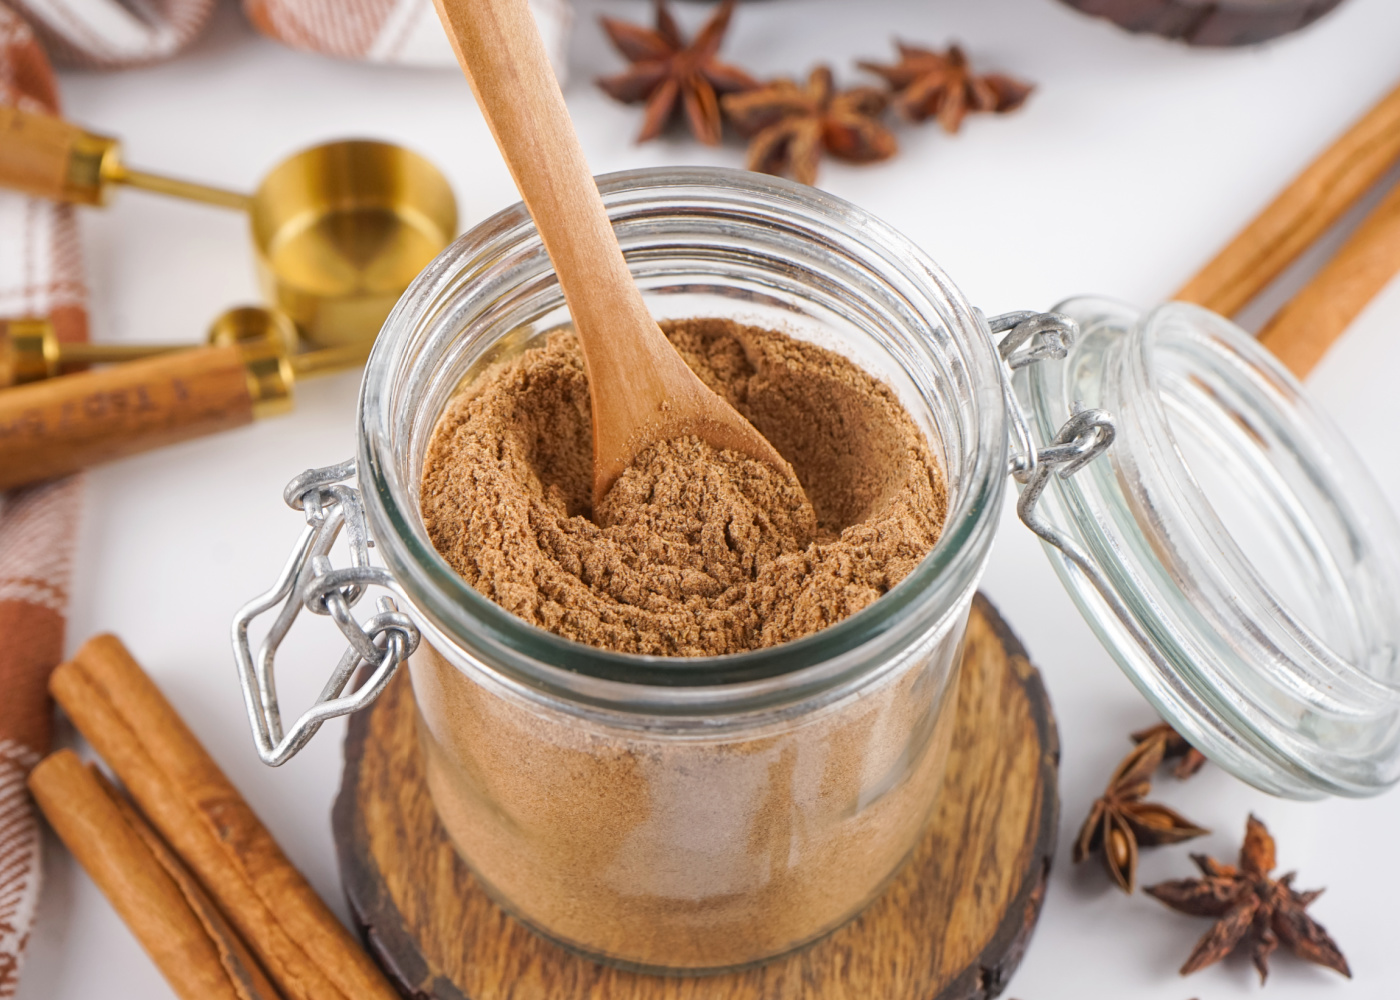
309	581
1030	338
1087	434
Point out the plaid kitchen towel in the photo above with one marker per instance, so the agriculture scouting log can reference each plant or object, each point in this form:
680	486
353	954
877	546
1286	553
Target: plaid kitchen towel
112	33
40	275
396	31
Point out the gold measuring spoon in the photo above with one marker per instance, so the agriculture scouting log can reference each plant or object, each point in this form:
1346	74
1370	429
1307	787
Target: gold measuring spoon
339	230
62	424
30	350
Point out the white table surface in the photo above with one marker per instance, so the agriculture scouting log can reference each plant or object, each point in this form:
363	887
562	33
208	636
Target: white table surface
1133	162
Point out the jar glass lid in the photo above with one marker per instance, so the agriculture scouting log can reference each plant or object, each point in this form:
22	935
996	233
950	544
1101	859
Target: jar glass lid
1248	566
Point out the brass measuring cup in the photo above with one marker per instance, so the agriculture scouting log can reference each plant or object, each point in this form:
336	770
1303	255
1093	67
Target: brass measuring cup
339	230
52	424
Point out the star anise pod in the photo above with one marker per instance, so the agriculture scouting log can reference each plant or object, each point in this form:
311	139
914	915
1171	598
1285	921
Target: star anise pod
666	70
1120	821
1250	909
791	125
1174	747
927	83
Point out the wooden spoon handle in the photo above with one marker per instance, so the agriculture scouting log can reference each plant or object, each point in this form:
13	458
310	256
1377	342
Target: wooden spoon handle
504	59
50	158
641	389
67	423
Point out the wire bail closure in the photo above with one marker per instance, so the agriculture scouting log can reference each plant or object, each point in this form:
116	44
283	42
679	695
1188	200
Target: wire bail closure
1087	434
308	580
1032	337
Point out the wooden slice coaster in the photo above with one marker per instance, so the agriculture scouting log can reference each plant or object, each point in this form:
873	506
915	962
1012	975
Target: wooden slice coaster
953	924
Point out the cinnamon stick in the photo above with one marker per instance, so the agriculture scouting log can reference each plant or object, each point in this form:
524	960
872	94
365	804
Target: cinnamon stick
1302	331
1301	213
172	919
306	951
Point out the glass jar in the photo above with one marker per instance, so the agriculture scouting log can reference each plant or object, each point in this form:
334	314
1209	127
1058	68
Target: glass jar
712	812
707	813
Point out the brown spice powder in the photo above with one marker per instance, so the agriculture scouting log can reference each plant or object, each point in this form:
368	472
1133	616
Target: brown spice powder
694	551
744	838
700	851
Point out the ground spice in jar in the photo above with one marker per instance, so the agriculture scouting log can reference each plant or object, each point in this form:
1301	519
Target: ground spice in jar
686	850
653	842
694	551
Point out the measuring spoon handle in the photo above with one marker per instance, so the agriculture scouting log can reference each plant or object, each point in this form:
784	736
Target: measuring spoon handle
48	157
64	424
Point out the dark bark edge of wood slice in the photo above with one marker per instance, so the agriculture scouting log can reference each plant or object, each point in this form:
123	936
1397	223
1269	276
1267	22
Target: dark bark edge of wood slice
405	950
1205	23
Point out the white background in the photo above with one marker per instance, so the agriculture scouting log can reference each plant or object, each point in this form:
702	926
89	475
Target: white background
1133	162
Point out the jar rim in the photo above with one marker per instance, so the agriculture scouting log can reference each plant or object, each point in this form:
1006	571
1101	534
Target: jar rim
458	613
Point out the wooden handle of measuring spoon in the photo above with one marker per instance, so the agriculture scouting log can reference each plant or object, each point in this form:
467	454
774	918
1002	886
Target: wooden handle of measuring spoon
40	154
64	424
641	389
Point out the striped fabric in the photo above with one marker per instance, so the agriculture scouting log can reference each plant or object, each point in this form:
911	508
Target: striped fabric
40	275
19	861
112	33
394	31
108	33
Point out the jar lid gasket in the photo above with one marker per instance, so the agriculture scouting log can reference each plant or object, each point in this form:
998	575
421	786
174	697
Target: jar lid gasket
1253	553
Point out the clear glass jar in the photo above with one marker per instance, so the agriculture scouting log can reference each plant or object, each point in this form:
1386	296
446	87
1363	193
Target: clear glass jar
704	813
694	814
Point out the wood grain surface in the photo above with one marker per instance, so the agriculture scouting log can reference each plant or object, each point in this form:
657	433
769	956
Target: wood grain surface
34	153
64	424
953	923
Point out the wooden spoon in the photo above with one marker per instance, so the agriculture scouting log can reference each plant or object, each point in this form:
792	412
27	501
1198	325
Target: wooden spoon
642	390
